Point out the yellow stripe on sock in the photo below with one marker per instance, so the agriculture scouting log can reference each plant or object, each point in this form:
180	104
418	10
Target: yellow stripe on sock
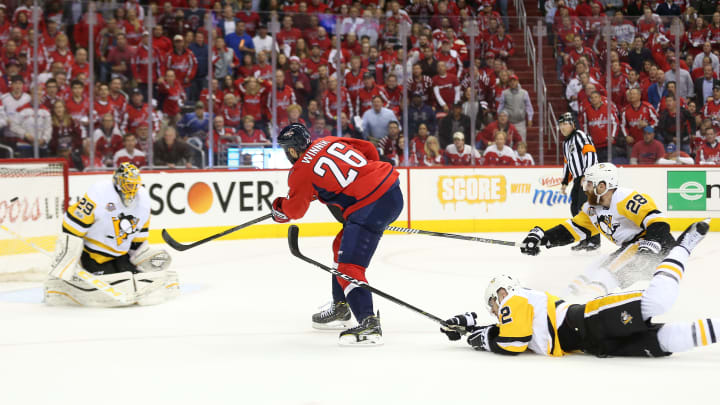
702	332
674	269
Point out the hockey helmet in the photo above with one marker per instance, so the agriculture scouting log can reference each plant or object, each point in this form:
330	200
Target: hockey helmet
127	182
498	282
567	117
601	173
294	136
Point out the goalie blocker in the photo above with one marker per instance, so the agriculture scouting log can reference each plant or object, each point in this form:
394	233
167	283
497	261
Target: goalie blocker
102	258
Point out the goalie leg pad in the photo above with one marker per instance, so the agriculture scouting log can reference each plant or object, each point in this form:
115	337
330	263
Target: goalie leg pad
68	249
156	287
81	293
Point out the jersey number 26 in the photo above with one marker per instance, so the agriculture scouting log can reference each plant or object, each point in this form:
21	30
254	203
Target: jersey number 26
350	157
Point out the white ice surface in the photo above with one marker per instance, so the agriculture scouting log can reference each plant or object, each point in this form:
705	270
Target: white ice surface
241	334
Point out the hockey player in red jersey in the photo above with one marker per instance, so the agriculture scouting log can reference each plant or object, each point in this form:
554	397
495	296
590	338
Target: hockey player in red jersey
344	173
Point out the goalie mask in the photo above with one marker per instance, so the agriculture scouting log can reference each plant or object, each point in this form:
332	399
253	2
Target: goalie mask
601	173
498	282
127	182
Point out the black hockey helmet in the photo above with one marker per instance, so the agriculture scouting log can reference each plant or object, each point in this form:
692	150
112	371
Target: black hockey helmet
567	117
294	136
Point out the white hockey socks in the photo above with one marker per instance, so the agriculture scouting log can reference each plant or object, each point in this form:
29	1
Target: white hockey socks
682	336
664	287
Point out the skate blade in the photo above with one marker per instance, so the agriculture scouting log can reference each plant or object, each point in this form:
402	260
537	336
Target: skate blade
369	340
334	325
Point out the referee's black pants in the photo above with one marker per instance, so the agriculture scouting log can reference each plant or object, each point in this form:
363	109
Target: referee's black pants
577	199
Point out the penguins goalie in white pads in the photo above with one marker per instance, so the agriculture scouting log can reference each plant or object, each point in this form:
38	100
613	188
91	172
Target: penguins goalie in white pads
626	217
102	257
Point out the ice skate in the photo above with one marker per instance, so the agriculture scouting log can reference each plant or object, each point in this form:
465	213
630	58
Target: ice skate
694	234
580	246
336	317
368	333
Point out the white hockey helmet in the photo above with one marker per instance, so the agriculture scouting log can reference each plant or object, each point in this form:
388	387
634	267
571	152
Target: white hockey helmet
498	282
601	173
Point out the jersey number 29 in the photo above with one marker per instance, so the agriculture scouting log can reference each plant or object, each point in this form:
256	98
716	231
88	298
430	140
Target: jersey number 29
350	157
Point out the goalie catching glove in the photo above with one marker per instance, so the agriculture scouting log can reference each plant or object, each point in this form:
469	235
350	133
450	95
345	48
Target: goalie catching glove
458	325
147	259
532	242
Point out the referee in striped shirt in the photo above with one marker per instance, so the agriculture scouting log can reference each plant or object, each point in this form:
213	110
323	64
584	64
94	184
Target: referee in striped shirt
579	153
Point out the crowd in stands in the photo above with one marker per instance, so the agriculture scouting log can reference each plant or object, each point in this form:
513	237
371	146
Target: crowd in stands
207	101
649	80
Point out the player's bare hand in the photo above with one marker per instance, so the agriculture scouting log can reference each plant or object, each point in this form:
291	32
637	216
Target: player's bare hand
563	188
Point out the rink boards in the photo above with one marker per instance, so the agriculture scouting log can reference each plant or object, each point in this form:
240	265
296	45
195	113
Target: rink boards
193	204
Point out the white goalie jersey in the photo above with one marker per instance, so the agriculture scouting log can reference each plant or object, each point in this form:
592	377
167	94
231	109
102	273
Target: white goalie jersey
109	228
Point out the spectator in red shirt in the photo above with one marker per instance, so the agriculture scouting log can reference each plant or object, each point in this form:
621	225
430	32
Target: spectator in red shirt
130	153
433	156
250	134
649	150
319	130
108	140
498	154
174	95
62	52
182	61
118	58
460	154
709	152
487	135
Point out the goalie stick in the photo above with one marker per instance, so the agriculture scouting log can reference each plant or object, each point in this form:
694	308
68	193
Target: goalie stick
179	246
294	231
451	235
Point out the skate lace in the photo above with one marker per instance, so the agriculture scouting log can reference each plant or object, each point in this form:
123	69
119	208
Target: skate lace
327	309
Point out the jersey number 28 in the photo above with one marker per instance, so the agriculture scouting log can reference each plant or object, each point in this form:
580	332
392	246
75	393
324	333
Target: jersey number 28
350	157
635	204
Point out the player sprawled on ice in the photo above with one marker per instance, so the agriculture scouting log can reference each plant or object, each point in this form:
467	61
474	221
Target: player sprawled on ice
626	217
346	173
105	234
612	325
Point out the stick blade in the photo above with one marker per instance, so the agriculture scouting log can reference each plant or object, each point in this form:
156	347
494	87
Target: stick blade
172	242
293	233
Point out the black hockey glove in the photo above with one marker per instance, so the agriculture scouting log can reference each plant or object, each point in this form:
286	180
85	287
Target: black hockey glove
480	338
458	325
531	244
649	247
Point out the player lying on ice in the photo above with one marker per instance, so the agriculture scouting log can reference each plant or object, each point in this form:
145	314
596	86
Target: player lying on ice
347	174
626	217
612	325
107	230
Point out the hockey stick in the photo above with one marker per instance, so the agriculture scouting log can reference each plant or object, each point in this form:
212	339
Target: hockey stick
294	231
451	235
29	243
88	277
179	246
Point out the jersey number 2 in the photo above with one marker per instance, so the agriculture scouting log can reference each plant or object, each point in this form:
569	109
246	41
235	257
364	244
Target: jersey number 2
350	157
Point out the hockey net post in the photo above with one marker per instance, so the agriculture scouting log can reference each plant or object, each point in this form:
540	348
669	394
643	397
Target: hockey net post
33	201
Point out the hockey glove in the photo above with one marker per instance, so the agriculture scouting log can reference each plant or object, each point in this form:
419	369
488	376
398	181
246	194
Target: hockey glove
531	244
458	325
277	214
480	339
649	247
